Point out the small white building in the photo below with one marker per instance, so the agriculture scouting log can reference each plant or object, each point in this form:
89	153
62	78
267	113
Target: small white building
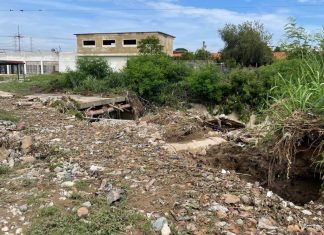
39	62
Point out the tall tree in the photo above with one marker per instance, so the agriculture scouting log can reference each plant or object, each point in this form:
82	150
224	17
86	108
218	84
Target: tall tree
150	46
247	44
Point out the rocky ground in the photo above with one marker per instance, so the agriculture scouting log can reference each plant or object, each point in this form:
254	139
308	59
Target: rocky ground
61	175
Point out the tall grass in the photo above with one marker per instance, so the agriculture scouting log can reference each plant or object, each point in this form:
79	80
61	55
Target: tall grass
302	91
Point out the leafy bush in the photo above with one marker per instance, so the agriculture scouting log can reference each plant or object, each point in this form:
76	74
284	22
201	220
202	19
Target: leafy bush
205	84
149	75
95	67
248	90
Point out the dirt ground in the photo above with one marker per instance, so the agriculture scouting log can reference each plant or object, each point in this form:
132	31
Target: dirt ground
221	191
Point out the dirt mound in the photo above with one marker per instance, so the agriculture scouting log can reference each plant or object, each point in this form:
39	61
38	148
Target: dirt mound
177	125
254	164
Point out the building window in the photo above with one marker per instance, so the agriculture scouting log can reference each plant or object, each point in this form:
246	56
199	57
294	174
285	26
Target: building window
129	43
109	43
89	43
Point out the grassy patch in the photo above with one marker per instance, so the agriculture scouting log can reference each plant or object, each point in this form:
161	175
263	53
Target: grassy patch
8	116
82	185
4	170
102	219
41	83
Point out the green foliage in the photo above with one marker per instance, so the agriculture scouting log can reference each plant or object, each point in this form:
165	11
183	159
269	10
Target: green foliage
248	90
203	54
246	44
149	75
102	219
4	169
205	84
188	56
298	42
8	116
150	46
37	83
95	67
302	91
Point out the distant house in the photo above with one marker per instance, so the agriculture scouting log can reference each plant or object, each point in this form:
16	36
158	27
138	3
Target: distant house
280	55
37	62
118	47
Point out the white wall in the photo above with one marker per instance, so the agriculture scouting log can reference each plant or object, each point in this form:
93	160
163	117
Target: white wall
117	63
67	61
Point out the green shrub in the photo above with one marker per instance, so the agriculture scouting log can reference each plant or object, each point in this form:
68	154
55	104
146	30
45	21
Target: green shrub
206	84
96	67
148	76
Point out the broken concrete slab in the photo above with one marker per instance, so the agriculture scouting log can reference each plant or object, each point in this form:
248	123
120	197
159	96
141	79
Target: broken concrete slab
196	146
4	94
83	102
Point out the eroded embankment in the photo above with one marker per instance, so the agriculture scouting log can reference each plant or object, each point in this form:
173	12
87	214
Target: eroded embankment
303	185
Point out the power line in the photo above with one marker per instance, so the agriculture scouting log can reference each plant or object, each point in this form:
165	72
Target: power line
162	9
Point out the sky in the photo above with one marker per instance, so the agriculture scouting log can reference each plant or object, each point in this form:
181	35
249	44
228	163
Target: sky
47	24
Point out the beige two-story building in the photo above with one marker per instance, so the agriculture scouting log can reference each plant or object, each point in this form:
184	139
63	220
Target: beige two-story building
118	47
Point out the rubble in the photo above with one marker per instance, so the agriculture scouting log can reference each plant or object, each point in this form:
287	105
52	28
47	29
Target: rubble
179	190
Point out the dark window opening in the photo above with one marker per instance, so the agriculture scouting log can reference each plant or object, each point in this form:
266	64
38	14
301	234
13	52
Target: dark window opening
130	42
109	42
89	43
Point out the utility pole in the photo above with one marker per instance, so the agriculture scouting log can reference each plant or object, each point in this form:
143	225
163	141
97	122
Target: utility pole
19	37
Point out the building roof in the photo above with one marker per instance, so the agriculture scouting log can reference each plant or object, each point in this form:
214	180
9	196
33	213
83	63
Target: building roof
10	62
169	35
279	55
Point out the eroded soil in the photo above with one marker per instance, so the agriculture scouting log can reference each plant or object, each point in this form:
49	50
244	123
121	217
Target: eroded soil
196	193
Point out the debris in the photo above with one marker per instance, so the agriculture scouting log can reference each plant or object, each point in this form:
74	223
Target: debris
165	229
147	187
224	122
114	195
158	223
26	144
67	184
83	212
231	199
86	204
267	223
4	94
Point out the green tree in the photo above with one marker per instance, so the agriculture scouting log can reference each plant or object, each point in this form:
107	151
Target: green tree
187	56
150	46
202	54
246	44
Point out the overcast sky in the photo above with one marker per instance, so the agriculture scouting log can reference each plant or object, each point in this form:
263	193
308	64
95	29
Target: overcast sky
52	23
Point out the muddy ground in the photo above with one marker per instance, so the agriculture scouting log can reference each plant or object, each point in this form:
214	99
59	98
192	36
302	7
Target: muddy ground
70	163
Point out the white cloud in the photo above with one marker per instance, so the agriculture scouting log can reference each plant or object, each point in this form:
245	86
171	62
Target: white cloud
190	25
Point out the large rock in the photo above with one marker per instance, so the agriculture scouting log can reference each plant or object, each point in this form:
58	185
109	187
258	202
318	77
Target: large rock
26	143
158	224
3	154
83	212
114	195
231	199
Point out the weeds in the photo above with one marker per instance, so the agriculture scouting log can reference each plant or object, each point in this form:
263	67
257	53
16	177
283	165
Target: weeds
4	170
8	116
102	219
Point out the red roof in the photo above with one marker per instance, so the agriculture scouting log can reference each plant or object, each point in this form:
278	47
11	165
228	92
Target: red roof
280	55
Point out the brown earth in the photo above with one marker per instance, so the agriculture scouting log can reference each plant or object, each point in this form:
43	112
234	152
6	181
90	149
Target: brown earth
189	190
